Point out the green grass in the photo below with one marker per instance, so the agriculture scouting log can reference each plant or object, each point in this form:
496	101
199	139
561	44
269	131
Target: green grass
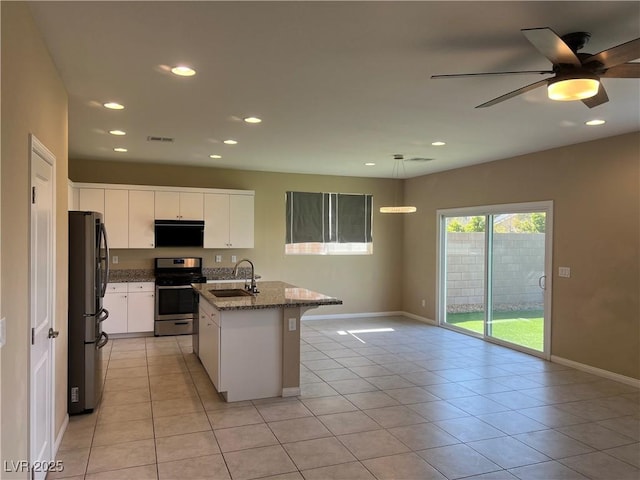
522	327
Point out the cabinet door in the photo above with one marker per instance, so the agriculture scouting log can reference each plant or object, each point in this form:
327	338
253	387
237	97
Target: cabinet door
140	310
91	199
116	217
241	221
116	303
215	355
167	205
141	217
205	343
216	220
191	206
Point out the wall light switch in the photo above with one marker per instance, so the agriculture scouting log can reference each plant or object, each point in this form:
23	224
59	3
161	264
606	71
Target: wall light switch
218	258
292	324
564	272
234	259
114	259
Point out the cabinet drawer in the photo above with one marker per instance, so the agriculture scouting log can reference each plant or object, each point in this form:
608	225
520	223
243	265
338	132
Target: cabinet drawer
116	288
141	287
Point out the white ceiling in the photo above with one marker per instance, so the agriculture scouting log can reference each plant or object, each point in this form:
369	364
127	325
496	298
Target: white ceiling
337	84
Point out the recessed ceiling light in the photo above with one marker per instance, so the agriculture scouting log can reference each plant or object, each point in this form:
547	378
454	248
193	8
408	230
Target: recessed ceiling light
438	144
117	132
252	120
369	164
120	150
215	156
595	122
113	106
183	71
230	142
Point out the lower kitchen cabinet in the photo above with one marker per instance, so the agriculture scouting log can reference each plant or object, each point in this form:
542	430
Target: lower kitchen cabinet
209	341
131	307
241	350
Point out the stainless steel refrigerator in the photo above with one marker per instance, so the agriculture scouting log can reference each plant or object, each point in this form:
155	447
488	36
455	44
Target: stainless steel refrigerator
88	276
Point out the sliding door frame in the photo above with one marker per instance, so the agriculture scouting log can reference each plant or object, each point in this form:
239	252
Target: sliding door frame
484	210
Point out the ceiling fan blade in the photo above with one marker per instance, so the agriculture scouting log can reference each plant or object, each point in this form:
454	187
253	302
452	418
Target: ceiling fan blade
551	46
525	72
515	93
625	70
622	53
598	99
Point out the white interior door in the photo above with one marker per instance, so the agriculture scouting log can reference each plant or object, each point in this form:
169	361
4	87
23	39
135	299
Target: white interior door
41	302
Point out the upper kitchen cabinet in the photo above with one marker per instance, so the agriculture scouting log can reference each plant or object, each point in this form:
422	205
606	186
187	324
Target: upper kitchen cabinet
228	220
91	199
179	206
141	218
116	218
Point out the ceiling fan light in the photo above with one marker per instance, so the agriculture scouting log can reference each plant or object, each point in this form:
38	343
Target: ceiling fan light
399	209
566	89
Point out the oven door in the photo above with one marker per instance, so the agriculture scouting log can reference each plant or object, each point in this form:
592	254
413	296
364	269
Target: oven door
175	302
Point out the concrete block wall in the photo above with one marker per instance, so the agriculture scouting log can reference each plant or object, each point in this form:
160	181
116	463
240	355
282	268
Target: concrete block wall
518	260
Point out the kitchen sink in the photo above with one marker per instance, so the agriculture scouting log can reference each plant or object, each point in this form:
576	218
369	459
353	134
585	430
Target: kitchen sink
230	292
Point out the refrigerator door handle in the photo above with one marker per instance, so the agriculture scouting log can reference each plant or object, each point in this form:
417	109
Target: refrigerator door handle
106	258
103	315
101	343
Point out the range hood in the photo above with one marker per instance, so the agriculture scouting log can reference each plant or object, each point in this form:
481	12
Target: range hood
179	233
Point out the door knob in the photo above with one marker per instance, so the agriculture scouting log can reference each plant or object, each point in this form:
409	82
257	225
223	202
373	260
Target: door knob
53	333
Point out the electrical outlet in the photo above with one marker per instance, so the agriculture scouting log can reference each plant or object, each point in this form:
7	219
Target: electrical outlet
564	272
234	259
424	303
292	324
114	259
218	258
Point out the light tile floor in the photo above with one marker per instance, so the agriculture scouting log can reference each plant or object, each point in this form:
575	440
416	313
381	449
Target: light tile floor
413	402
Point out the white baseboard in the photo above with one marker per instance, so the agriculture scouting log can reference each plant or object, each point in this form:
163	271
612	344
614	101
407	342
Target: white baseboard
291	391
634	382
60	434
338	316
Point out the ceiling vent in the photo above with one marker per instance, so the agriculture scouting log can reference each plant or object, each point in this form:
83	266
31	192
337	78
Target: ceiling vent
159	139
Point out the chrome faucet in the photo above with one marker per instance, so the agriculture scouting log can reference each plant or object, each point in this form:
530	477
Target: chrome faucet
251	287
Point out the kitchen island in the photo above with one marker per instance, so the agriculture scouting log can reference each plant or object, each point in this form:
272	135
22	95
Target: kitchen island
250	344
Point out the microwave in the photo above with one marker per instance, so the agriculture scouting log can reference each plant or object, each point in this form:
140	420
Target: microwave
179	233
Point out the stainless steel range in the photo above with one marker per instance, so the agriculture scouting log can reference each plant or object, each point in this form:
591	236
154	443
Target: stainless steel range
176	302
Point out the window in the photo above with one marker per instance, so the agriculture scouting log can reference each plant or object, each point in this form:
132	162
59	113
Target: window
328	224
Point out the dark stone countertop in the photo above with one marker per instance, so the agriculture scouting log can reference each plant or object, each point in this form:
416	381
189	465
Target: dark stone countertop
271	295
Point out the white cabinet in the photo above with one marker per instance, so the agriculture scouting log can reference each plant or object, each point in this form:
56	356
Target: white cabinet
131	307
140	306
229	220
115	301
91	199
209	341
178	205
116	217
141	218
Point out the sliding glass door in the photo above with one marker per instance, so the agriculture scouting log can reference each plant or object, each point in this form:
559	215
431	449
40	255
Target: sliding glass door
493	273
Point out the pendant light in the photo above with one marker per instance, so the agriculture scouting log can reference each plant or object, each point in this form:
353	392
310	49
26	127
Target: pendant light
398	164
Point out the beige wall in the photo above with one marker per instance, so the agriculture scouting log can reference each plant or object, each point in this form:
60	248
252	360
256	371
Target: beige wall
33	101
367	283
595	188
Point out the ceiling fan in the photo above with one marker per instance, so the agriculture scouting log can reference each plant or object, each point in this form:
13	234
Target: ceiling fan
576	75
